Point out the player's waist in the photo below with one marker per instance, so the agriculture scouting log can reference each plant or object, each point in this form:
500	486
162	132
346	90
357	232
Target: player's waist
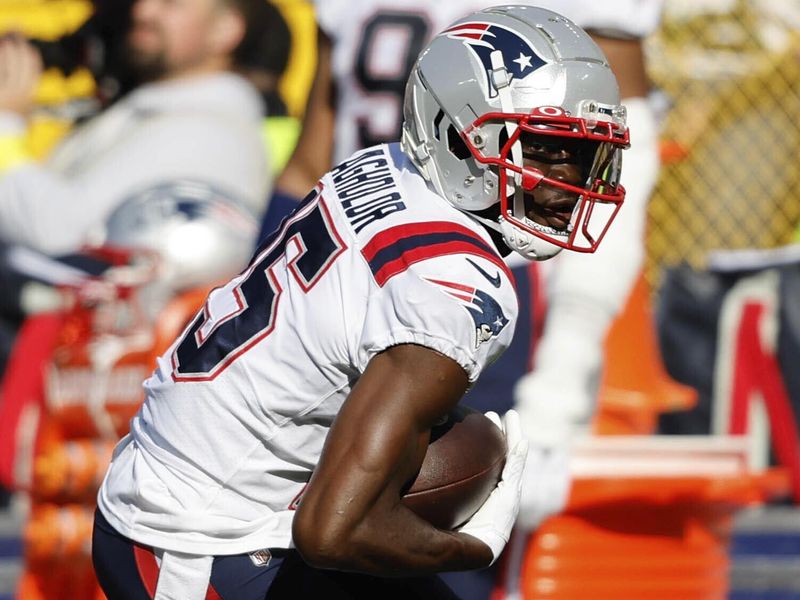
176	533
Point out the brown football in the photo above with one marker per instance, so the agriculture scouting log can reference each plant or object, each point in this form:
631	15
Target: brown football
462	466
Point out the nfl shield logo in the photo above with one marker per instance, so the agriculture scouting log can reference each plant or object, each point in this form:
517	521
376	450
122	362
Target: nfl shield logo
261	558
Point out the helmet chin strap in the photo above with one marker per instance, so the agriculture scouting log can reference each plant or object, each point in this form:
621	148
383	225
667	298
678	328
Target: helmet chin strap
490	223
526	244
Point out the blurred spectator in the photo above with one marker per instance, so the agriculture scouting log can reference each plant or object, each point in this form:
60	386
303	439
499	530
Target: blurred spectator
365	52
262	57
584	293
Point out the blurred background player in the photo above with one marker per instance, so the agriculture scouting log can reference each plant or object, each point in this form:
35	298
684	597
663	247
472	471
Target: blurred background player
585	292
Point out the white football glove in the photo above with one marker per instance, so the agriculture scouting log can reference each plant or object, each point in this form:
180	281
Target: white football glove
495	519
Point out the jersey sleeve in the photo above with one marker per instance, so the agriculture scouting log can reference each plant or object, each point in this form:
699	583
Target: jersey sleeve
463	307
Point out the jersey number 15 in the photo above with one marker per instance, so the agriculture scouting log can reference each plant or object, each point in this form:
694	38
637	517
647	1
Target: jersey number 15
243	312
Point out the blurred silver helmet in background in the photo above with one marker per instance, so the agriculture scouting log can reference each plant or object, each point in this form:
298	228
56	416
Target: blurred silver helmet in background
202	235
501	78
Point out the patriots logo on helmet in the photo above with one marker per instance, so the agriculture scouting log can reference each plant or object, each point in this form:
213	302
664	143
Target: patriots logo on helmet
485	311
519	57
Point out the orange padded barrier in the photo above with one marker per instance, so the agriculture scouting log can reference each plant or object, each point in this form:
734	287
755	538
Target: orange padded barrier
57	554
661	536
91	385
636	388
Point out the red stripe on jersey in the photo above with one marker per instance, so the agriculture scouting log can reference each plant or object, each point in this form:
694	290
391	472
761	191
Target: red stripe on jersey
416	255
387	237
467	296
455	286
415	242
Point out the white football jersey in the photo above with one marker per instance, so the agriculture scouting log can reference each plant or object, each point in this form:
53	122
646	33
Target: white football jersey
375	44
238	408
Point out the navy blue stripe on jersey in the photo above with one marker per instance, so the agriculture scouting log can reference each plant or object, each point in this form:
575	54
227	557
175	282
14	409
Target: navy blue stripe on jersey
394	250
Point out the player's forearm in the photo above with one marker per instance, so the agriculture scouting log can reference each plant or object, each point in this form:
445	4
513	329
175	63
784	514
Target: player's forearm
300	175
312	154
351	516
357	522
398	543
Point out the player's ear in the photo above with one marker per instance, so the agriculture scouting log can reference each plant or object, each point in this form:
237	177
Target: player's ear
228	30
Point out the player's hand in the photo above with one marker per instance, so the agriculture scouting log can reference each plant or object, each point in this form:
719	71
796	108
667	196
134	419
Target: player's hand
494	520
20	72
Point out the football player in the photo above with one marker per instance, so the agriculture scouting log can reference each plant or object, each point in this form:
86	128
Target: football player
366	50
551	372
278	432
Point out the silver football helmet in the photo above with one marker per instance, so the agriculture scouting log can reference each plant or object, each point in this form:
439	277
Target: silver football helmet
201	234
495	102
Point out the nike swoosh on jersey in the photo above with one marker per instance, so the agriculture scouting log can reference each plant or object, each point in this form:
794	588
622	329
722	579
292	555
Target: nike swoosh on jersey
495	281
